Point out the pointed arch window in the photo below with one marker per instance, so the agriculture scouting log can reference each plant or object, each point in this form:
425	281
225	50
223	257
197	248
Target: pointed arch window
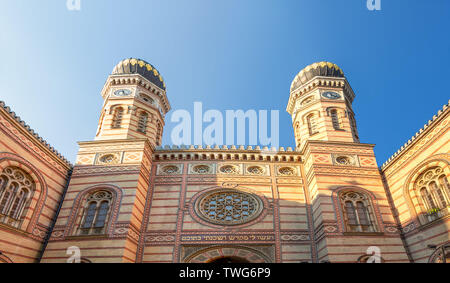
434	191
117	118
16	189
358	212
142	123
312	124
96	213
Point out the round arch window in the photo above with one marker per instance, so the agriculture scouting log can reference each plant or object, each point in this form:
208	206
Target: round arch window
229	207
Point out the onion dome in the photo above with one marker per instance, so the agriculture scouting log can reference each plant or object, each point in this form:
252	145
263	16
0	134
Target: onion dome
141	67
323	69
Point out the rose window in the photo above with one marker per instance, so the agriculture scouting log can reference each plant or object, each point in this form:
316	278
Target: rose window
286	171
201	169
108	159
343	160
229	207
228	169
171	169
255	170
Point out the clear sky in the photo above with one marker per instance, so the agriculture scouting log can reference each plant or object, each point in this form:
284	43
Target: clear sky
231	54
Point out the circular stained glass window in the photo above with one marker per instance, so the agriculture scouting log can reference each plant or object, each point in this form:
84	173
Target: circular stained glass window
286	171
344	160
171	169
255	170
228	169
229	207
108	159
201	169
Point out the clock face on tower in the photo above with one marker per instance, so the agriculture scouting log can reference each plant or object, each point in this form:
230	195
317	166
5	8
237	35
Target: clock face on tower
122	92
331	95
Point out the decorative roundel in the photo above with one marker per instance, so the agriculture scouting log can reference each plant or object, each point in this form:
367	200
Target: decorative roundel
108	158
255	170
201	169
331	95
228	169
343	160
171	169
229	207
286	171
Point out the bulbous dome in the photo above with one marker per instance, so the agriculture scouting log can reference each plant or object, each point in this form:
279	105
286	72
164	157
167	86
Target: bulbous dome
138	66
324	69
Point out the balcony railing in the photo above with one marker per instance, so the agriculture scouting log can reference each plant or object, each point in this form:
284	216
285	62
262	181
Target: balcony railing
434	214
9	221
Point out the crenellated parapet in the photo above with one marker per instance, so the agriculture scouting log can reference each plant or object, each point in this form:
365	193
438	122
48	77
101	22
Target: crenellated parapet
249	153
422	132
25	126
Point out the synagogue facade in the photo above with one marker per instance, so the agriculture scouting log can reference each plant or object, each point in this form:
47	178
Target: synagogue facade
129	199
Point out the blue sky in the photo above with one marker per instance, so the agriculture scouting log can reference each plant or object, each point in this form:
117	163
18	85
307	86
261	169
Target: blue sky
227	54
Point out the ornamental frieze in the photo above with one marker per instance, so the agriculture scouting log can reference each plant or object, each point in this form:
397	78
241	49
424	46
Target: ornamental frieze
352	150
344	171
295	237
161	180
228	238
96	170
222	179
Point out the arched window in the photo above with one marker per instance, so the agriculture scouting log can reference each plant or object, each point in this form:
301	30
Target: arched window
16	188
142	124
312	124
335	119
117	117
434	190
96	213
358	213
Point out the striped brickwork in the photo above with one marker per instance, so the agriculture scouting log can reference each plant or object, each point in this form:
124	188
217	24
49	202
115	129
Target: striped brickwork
429	148
325	178
20	147
128	179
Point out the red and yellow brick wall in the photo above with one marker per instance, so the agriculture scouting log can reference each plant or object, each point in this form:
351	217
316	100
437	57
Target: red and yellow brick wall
21	148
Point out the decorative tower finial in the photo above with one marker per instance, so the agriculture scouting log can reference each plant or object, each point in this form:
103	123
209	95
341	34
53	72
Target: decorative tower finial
135	103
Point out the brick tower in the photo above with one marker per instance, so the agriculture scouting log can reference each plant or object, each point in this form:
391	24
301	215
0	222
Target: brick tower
350	209
103	208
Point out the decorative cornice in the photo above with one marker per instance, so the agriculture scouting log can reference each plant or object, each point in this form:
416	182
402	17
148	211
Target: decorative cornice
241	148
27	128
441	113
222	152
319	81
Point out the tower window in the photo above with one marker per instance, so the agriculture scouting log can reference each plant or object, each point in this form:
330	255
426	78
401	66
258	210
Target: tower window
335	119
117	118
16	188
312	124
142	124
158	133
